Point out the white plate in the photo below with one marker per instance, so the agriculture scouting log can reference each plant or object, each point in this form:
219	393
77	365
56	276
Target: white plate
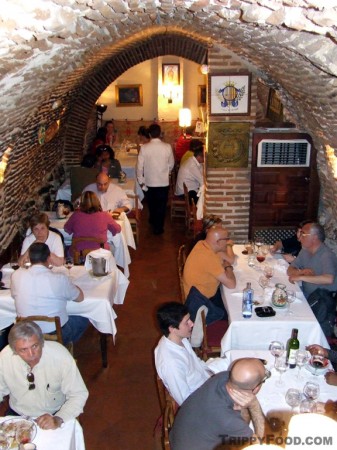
11	426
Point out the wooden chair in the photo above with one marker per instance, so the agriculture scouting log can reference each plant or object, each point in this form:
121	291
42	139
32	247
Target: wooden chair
181	263
177	204
77	253
48	337
212	335
134	216
193	225
168	408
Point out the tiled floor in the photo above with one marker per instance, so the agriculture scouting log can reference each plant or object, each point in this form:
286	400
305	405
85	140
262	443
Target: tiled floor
122	407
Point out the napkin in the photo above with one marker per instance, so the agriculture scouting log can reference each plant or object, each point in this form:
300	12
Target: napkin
281	266
101	253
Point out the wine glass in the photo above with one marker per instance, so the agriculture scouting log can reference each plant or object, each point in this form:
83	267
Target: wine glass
69	263
281	365
293	398
14	262
260	256
263	282
302	357
307	406
276	348
317	362
291	297
311	390
268	271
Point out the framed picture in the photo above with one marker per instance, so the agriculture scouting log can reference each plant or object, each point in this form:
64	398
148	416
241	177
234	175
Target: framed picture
202	92
230	94
129	95
275	107
171	74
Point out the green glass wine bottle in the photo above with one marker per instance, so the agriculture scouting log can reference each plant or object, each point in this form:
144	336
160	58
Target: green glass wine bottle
292	346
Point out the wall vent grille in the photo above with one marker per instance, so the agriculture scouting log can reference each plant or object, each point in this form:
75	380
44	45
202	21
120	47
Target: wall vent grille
283	153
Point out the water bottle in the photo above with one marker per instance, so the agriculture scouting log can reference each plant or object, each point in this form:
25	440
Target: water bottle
247	301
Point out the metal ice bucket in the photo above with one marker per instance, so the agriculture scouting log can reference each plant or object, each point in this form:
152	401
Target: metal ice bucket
98	266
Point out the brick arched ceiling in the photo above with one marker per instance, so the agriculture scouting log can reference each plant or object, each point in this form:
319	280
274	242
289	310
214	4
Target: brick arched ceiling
70	50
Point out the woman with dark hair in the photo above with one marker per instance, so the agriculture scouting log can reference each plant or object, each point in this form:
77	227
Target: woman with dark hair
108	164
91	221
100	139
39	226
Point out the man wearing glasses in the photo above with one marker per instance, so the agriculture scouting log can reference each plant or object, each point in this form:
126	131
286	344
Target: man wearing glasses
316	267
220	410
41	378
205	270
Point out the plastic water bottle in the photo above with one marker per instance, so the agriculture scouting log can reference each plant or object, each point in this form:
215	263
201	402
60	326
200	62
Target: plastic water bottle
247	301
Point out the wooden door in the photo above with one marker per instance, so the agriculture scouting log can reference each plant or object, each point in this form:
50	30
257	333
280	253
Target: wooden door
282	196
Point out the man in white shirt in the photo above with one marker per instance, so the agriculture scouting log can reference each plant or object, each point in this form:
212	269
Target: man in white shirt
181	371
112	197
41	378
191	172
39	291
155	162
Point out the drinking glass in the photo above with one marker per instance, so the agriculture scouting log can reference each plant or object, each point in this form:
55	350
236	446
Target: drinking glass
311	390
276	348
291	297
293	398
317	362
268	271
281	365
263	282
69	263
260	256
265	249
14	262
302	357
248	247
307	406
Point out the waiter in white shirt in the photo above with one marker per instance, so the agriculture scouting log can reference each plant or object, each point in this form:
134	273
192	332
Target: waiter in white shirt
155	162
191	172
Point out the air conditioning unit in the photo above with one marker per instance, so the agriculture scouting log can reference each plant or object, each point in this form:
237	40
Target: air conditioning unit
283	153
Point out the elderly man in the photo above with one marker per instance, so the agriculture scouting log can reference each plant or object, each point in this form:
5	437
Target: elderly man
205	271
41	378
181	371
39	291
211	415
155	162
316	268
191	173
112	197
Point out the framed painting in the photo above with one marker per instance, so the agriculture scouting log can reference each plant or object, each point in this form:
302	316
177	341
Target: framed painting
230	94
171	74
275	107
129	95
202	95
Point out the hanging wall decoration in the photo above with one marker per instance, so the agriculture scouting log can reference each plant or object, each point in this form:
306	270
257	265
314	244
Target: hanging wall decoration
228	144
230	94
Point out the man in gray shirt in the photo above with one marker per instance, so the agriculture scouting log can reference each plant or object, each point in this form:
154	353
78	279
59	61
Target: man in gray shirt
213	414
316	268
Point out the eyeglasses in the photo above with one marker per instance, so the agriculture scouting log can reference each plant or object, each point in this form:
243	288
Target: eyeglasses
31	379
224	239
304	234
266	376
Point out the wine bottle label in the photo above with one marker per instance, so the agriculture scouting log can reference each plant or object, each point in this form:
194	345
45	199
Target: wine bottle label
292	357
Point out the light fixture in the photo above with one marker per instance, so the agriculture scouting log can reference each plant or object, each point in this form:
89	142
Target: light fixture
315	429
204	69
100	108
170	92
185	119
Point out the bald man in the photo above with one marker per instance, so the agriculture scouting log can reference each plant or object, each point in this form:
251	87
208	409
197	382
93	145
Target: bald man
206	270
112	197
220	410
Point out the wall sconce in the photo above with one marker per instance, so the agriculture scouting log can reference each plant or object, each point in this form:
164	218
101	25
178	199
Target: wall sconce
100	108
170	92
185	119
204	69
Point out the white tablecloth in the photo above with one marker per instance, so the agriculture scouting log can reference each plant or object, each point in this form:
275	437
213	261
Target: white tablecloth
69	437
258	332
99	296
272	396
118	243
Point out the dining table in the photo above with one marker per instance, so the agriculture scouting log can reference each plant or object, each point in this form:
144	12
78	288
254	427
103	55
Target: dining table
119	243
272	394
100	294
127	156
69	437
257	332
